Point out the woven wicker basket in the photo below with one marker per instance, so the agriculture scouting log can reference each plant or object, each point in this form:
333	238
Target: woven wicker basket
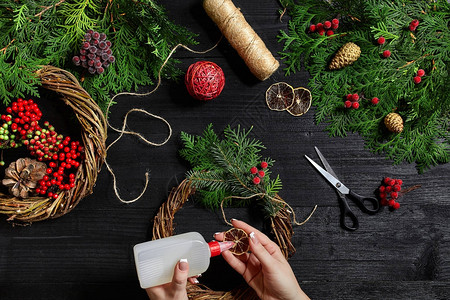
163	226
94	133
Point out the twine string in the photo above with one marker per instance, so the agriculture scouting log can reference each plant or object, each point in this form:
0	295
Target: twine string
294	219
122	130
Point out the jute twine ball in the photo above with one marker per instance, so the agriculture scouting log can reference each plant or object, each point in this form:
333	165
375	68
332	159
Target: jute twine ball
204	80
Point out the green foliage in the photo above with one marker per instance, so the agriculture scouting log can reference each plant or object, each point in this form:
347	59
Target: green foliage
425	107
221	169
35	33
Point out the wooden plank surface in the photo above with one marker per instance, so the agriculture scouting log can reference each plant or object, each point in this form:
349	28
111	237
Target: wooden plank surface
87	254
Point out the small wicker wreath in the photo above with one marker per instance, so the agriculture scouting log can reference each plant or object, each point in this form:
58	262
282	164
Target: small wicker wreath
94	133
163	226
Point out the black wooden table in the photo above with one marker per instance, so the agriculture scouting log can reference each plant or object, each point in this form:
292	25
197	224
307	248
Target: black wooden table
87	254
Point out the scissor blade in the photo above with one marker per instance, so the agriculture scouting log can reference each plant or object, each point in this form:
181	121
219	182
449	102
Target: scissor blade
325	162
331	179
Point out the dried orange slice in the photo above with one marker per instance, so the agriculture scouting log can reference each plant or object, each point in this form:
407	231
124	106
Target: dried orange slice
280	96
302	102
240	239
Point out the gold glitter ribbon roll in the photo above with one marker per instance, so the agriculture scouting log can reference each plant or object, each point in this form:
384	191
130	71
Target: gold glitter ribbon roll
242	37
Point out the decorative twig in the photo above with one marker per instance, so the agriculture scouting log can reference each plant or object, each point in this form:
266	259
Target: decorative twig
412	61
47	8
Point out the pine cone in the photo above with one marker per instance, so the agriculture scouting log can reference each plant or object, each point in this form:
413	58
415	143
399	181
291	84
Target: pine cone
394	122
348	54
22	176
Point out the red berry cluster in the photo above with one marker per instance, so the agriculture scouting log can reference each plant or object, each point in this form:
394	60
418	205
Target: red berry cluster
259	173
413	25
381	41
325	27
418	78
62	156
352	101
389	192
95	53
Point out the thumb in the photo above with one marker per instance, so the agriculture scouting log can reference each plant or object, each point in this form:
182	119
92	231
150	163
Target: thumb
260	252
180	275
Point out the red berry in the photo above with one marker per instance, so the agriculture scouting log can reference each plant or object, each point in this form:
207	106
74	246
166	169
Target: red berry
381	40
319	26
355	105
415	22
256	180
312	28
391	202
386	53
399	181
382	188
264	164
420	72
330	32
355	97
384	202
417	79
391	182
412	27
334	26
327	24
383	195
375	100
253	170
349	97
388	188
396	205
321	32
397	188
335	22
394	195
49	171
348	104
261	174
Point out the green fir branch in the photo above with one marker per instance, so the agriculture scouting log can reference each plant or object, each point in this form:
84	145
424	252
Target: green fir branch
425	107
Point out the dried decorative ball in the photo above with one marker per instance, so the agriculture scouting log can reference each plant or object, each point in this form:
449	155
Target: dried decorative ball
204	80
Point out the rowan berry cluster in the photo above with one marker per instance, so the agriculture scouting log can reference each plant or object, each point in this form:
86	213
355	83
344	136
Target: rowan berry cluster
352	101
259	174
326	27
62	156
389	192
418	78
95	53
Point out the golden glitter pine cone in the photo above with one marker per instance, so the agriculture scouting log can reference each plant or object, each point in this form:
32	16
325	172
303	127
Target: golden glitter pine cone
394	122
346	55
22	176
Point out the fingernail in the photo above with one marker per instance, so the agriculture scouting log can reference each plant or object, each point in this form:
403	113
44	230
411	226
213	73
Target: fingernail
183	265
196	281
214	235
199	275
234	220
253	238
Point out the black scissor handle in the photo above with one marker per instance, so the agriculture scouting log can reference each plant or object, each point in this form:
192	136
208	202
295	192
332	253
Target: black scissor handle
362	201
347	214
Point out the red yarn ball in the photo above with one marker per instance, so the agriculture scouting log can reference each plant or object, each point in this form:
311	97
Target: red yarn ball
204	80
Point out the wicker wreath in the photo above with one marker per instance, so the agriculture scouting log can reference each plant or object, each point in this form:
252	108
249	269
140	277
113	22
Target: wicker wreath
163	226
94	133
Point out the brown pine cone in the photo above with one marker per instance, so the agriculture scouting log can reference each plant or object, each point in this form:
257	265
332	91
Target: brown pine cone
22	176
394	122
346	55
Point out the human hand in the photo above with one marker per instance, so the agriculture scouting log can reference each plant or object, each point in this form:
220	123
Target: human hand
265	269
175	290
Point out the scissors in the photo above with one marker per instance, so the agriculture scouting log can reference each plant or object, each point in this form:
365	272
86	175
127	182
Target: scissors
344	193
